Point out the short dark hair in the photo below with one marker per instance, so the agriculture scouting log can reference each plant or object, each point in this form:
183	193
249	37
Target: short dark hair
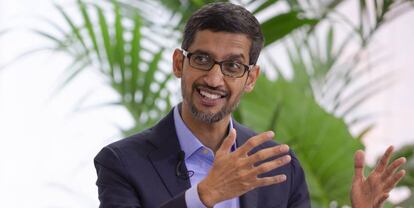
225	17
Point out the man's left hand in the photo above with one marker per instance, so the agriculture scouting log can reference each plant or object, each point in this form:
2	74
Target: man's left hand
371	192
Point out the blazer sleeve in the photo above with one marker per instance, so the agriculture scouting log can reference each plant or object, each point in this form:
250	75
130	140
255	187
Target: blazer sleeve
114	187
177	201
114	190
299	195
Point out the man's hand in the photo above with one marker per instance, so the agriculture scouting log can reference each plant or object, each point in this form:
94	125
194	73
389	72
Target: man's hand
372	192
234	173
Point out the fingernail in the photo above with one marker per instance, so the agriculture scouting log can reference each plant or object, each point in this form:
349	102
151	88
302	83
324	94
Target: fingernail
284	148
286	158
270	134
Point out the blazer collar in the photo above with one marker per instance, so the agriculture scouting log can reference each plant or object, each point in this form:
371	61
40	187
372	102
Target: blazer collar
165	158
249	199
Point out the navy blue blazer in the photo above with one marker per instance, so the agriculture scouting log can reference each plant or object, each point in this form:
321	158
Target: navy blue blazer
140	171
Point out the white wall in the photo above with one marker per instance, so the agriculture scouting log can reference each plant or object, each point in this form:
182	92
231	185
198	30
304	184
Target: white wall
47	148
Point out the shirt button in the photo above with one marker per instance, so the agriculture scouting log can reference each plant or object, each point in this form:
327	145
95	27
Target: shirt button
205	151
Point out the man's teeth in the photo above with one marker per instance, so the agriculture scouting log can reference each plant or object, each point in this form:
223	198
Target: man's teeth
209	95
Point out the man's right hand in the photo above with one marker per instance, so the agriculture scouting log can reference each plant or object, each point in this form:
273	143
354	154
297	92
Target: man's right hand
234	173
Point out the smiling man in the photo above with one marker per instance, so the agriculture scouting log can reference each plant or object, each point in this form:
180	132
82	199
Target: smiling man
198	156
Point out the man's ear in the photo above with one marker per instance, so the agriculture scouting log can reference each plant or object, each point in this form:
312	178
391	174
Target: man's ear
252	76
178	61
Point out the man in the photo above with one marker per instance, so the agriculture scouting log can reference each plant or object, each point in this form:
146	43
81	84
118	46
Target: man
197	156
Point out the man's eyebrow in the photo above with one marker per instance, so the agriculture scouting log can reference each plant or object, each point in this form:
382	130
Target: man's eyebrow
239	56
202	52
235	56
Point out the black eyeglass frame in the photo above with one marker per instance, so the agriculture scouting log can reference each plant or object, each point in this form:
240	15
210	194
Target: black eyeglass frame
220	63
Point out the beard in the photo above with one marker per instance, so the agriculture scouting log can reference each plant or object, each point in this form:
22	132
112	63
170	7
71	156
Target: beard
203	116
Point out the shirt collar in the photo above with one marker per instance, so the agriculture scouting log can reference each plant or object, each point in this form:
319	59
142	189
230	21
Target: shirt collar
188	141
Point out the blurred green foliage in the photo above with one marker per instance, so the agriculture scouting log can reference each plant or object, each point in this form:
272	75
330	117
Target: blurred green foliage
319	139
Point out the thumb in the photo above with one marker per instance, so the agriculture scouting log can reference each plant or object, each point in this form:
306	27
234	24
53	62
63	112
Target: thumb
359	160
227	143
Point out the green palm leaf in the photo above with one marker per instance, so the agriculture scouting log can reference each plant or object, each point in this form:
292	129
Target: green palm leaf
319	139
279	26
98	41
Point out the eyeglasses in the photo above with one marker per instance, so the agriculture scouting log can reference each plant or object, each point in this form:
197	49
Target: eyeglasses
204	62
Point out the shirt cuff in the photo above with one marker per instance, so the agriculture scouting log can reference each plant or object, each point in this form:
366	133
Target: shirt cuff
192	199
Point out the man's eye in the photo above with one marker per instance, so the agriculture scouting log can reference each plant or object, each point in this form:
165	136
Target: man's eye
233	66
201	59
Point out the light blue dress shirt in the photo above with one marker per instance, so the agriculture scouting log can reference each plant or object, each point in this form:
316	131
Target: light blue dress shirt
198	158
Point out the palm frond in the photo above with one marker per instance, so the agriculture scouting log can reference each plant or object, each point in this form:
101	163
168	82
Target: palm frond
99	41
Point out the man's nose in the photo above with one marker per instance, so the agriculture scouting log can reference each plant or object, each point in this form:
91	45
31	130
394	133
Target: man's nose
214	77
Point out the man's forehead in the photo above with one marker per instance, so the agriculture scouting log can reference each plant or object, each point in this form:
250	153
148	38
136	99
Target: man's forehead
214	35
221	43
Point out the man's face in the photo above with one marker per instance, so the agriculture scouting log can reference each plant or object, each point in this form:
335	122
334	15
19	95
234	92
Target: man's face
210	95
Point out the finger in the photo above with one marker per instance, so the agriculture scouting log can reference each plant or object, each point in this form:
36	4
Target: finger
266	181
394	166
382	164
267	153
359	160
254	141
270	165
227	143
390	184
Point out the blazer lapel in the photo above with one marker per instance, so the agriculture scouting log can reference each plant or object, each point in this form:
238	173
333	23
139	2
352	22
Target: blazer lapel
249	199
165	157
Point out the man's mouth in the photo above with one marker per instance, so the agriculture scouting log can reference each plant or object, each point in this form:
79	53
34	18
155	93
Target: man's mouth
211	94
